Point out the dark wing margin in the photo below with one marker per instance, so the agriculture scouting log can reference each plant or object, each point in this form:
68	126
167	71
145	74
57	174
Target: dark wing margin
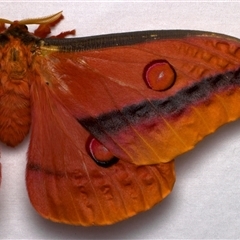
124	39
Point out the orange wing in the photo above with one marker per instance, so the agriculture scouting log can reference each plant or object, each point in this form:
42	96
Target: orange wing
107	90
84	90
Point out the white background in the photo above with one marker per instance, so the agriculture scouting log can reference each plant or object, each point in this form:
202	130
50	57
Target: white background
205	200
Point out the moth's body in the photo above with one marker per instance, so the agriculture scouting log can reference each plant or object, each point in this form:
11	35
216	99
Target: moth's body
16	75
102	98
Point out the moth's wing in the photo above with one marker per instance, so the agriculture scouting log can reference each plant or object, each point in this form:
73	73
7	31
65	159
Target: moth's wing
105	89
66	185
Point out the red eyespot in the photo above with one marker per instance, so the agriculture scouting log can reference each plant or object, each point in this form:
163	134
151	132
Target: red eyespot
100	154
159	75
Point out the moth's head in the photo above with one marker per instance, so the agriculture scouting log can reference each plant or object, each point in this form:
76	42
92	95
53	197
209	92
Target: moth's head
19	28
49	20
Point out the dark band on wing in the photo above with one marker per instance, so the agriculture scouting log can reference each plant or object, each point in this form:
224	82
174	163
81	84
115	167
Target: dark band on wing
38	168
114	121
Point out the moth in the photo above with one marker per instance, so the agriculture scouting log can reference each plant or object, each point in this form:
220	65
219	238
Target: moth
108	114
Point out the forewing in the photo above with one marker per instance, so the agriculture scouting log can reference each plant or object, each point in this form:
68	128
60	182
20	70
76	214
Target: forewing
106	89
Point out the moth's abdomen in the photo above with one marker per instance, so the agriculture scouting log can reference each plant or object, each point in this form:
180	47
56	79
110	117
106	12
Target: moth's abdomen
14	117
